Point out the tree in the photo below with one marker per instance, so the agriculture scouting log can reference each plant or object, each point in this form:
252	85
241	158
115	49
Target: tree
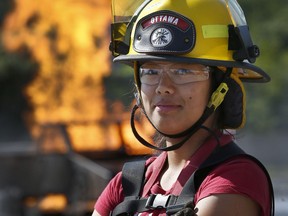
267	104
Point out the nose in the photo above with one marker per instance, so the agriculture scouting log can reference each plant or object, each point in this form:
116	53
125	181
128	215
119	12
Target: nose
165	85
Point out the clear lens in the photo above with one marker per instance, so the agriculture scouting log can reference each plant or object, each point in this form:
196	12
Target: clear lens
123	10
181	75
236	13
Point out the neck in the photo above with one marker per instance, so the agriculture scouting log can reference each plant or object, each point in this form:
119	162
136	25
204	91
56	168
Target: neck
181	155
177	159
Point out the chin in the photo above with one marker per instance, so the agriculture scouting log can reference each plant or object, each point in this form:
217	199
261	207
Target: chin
167	129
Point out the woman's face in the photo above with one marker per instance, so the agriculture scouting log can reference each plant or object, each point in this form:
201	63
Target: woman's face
174	95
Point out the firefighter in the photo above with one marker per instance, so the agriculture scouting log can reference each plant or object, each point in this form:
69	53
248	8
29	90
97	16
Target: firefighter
190	58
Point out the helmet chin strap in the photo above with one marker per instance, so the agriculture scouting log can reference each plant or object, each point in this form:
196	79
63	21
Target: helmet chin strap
188	133
215	101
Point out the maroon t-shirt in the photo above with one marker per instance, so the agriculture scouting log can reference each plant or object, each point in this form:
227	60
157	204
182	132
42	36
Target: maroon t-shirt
237	176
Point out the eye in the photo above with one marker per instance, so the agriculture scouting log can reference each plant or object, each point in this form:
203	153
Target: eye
183	71
148	71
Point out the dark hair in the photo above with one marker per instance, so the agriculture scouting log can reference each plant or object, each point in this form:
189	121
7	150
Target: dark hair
217	76
231	111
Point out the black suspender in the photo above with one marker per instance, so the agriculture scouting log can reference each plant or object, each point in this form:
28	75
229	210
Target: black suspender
133	175
132	183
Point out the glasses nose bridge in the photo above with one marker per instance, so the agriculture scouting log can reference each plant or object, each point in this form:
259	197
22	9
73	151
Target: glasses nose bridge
165	77
165	71
166	68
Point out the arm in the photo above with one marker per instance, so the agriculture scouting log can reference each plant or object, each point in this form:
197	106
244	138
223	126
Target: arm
240	183
227	205
110	197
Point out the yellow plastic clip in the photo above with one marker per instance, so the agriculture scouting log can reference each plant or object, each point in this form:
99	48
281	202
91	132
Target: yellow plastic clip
218	96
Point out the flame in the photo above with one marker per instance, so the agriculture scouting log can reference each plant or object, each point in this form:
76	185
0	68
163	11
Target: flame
62	38
53	203
69	40
48	203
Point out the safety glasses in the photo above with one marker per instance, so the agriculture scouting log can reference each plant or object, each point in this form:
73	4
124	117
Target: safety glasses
151	74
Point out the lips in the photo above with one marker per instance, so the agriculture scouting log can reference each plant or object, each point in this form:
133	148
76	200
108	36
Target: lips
166	107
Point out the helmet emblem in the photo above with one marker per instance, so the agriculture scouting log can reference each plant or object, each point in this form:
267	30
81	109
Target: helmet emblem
164	32
161	37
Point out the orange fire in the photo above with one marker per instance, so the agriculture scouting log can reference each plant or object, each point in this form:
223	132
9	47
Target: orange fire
69	39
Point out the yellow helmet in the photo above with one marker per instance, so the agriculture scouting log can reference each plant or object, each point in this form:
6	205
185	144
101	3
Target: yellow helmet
210	32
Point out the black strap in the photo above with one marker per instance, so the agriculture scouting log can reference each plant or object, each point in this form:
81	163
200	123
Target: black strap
133	177
133	187
221	155
271	190
129	207
218	156
132	182
188	133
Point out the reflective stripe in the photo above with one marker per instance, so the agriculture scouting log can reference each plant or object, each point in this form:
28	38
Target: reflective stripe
215	31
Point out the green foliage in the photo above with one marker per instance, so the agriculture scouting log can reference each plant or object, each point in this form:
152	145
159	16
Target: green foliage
267	103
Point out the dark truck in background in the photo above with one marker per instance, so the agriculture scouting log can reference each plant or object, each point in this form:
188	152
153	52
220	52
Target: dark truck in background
35	183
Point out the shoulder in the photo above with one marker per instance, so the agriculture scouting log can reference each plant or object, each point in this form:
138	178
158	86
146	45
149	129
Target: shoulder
239	175
111	196
113	193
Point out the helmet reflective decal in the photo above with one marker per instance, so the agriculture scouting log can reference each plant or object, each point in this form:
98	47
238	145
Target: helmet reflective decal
161	37
167	18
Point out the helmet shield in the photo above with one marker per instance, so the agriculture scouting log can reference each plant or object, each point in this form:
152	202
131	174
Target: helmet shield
123	14
123	10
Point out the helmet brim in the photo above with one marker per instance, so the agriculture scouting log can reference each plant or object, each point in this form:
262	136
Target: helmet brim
245	71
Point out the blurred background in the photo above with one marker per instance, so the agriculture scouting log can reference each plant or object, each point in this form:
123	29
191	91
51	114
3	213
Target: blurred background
64	107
